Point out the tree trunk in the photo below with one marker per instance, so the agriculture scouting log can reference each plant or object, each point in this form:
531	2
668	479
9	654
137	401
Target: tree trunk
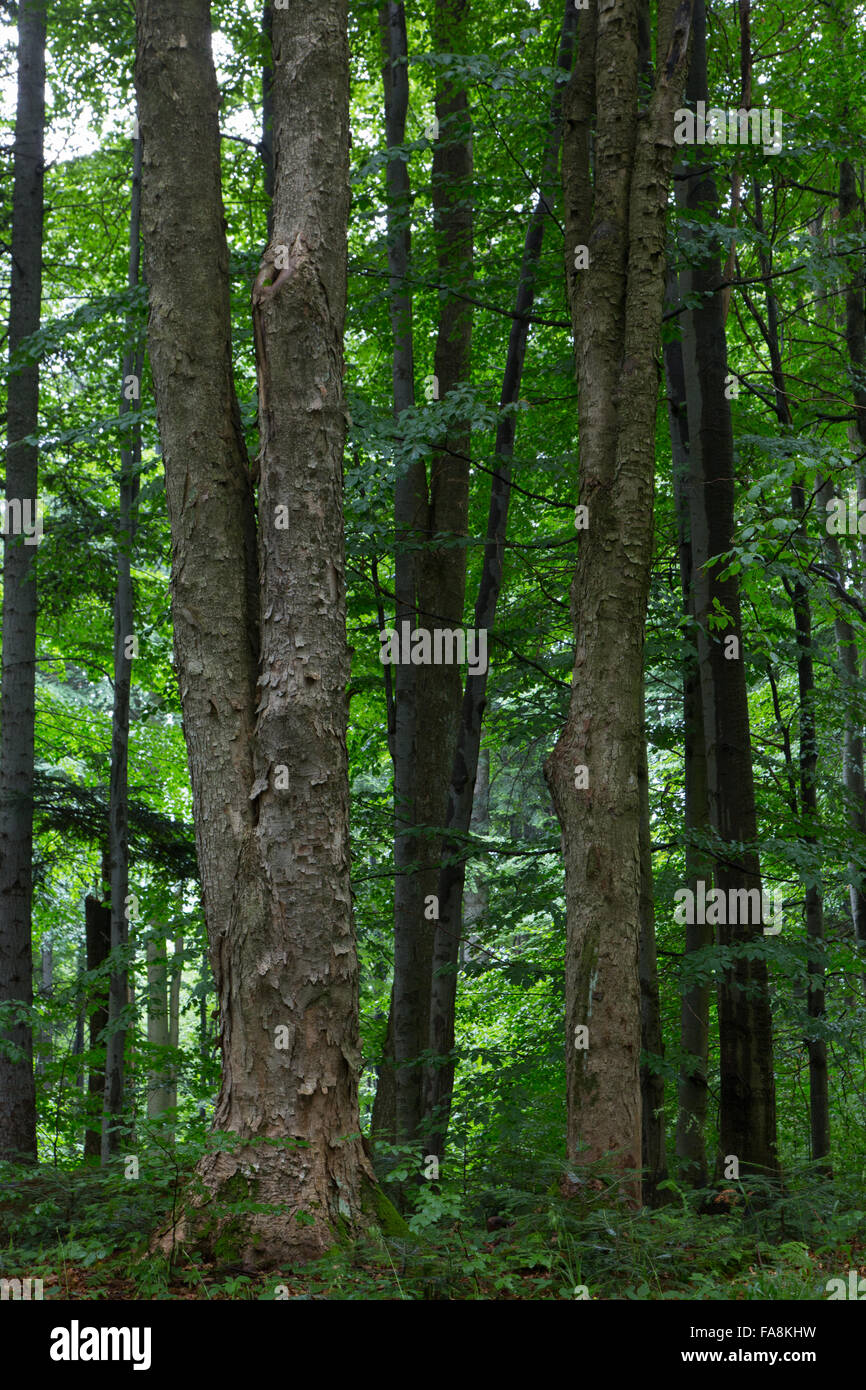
18	683
429	710
97	923
441	565
439	1077
175	984
748	1104
397	1108
695	1007
855	341
78	1035
46	987
852	748
124	618
158	1090
615	204
652	1085
798	592
263	672
819	1096
475	903
267	145
204	1043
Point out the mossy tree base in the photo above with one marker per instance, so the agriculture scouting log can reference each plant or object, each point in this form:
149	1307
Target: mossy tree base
269	1207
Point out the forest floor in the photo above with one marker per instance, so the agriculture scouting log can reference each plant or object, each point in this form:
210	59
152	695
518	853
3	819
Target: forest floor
85	1234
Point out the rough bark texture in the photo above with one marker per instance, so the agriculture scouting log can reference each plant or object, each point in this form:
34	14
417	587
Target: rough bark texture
616	206
260	640
439	1077
695	1008
748	1106
17	691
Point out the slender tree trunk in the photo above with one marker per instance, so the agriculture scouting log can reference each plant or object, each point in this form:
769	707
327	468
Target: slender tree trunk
748	1104
615	205
263	673
163	1003
819	1095
397	1108
695	1008
174	988
267	145
427	721
850	217
441	567
124	637
158	1098
97	922
46	987
18	682
78	1035
439	1077
798	592
852	749
652	1085
203	1029
475	903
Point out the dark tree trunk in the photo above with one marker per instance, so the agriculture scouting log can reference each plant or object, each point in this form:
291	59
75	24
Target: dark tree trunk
427	699
397	1109
652	1085
18	683
97	923
267	145
798	592
748	1103
80	1017
158	1099
442	565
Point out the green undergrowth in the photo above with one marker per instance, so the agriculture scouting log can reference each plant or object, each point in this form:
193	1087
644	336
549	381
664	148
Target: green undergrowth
85	1233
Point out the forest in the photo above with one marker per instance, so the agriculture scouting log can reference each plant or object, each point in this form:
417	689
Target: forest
432	797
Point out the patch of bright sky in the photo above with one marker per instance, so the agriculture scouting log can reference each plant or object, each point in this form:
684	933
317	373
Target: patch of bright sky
80	133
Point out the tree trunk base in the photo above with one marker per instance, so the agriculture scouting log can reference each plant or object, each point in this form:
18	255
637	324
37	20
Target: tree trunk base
264	1207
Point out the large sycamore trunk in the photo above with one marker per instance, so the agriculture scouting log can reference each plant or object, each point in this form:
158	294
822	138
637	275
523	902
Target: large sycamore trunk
260	628
616	206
